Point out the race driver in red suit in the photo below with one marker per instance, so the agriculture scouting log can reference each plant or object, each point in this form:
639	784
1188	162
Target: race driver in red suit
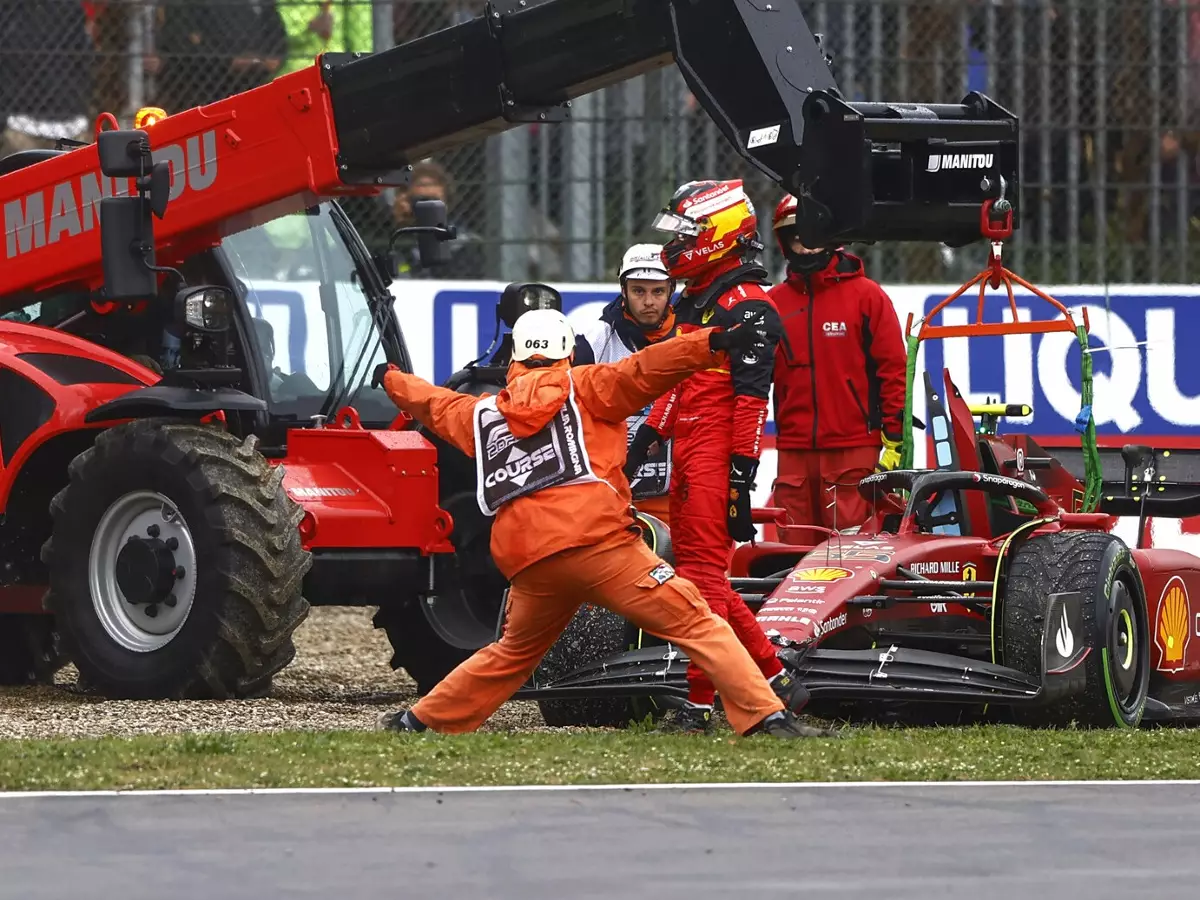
716	416
839	383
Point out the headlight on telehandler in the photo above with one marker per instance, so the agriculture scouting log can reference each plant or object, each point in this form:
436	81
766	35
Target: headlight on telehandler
205	308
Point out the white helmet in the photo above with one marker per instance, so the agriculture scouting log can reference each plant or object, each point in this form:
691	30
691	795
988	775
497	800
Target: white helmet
644	261
542	332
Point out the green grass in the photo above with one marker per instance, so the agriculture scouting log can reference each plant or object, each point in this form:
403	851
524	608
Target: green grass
361	759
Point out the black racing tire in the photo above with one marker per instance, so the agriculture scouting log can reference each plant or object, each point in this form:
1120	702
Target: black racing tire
1100	567
592	634
28	649
475	588
416	647
177	492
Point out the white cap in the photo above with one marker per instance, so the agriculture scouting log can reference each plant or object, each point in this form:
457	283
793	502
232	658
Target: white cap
542	332
644	261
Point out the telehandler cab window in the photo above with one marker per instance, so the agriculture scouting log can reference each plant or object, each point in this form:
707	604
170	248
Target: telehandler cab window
305	292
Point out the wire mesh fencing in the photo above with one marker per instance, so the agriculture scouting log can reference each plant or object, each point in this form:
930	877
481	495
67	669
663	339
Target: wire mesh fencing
1107	92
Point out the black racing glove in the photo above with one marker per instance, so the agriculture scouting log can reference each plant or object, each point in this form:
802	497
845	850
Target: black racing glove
381	370
737	340
643	442
742	470
740	339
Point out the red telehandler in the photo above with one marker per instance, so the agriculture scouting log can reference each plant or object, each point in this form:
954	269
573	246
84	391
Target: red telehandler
173	498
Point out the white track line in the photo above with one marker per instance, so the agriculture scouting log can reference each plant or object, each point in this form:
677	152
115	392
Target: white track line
551	788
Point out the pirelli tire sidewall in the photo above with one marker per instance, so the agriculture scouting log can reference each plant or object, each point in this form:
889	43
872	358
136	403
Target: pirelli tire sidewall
1101	568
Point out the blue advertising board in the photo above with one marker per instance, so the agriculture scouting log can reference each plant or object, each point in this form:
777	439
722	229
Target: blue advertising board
1143	376
1141	342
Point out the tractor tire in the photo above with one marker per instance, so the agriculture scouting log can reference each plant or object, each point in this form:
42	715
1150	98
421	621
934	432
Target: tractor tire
591	635
1099	566
28	649
175	564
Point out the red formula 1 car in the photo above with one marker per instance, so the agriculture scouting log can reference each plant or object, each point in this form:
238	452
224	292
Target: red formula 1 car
989	585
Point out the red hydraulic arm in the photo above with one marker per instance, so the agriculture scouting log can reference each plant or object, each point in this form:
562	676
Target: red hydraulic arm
244	160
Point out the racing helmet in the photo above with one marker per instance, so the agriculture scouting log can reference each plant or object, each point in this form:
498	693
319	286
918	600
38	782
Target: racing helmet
712	222
519	298
784	227
543	332
785	218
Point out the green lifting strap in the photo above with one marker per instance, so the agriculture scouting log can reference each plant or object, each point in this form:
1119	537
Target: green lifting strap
1093	476
910	374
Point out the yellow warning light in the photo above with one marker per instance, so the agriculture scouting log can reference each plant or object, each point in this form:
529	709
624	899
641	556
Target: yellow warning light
148	115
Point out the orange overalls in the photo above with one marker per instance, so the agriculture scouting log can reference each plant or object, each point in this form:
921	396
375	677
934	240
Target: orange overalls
575	543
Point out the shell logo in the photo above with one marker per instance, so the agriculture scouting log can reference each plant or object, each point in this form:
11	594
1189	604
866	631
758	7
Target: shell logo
821	573
1173	631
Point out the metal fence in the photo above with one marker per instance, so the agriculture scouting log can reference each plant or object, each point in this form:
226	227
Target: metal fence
1107	92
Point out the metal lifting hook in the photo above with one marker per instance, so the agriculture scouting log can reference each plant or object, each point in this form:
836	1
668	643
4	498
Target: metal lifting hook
996	224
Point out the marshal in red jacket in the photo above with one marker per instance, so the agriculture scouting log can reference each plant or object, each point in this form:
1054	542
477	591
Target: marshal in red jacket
839	371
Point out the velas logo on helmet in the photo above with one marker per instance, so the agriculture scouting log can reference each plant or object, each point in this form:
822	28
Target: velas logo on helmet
704	251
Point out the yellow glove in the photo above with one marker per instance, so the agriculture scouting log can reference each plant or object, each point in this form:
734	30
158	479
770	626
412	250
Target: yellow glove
889	458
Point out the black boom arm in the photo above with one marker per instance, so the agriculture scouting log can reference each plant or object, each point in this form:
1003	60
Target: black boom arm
862	171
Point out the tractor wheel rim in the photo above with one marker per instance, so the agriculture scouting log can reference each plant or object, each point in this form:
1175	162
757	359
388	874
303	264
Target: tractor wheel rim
142	541
1123	644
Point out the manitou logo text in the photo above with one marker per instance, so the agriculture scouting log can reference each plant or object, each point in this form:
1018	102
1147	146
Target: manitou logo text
317	493
73	207
941	161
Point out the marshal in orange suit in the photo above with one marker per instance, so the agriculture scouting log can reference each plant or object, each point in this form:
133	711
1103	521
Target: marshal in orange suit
549	452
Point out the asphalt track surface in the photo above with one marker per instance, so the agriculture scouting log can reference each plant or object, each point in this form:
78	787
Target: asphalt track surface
887	842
